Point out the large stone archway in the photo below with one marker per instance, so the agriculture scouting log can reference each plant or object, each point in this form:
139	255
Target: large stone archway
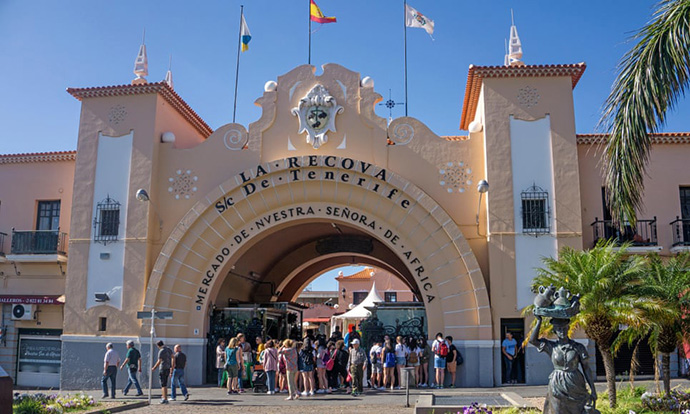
248	207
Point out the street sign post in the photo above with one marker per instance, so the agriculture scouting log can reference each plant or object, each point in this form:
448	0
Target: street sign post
152	315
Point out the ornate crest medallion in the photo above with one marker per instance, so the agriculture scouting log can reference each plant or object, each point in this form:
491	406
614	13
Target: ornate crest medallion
316	112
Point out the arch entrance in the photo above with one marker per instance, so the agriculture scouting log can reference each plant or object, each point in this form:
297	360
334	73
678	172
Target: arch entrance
281	222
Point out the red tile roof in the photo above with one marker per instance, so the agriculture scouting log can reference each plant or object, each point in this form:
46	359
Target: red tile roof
54	156
161	88
477	73
363	274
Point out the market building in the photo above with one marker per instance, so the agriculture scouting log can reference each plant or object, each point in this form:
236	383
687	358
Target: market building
169	214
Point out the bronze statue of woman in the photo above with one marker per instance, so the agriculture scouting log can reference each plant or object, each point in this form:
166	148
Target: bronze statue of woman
567	390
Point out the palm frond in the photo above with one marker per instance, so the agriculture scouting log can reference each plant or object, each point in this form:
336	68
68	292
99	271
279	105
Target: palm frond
652	76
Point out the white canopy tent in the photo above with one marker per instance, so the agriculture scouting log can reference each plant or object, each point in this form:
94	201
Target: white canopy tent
359	312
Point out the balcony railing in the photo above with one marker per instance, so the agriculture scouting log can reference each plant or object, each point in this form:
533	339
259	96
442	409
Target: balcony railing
642	234
39	242
2	243
681	231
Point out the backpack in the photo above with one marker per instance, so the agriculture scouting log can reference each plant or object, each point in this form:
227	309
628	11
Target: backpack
375	359
442	349
307	357
390	358
413	358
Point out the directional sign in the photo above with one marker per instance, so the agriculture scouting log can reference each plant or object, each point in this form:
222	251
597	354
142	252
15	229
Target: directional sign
159	315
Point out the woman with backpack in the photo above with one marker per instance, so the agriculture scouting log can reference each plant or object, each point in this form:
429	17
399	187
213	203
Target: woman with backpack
413	357
388	357
307	363
340	365
322	357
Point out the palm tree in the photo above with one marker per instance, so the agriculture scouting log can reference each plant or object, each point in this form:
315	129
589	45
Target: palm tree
652	76
607	280
668	282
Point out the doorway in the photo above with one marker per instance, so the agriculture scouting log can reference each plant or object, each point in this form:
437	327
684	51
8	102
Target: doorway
516	327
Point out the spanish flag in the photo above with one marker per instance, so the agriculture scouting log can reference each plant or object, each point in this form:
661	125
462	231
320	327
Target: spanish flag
317	16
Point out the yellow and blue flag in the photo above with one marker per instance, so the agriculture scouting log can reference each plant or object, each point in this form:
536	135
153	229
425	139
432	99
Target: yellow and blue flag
245	35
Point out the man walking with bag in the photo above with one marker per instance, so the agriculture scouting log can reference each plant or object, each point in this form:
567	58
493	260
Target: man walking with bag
133	364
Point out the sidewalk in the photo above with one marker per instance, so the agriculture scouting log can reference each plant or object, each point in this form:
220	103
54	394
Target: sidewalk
208	399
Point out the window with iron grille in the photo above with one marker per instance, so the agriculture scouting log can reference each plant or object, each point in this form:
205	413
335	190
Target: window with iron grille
390	296
535	211
107	221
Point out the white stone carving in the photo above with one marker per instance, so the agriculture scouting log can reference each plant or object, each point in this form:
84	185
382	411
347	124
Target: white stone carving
528	96
316	113
183	185
455	176
403	134
235	139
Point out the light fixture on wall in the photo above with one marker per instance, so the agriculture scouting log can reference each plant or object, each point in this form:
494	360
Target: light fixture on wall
343	292
482	187
102	297
143	196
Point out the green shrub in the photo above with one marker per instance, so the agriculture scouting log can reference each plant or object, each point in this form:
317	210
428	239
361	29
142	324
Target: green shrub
28	406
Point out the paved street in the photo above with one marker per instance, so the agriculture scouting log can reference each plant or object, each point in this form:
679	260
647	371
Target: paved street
211	400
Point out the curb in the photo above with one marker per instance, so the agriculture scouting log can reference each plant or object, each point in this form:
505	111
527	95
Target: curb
516	400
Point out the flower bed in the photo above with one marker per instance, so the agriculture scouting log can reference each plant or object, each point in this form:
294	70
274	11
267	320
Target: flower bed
675	401
50	403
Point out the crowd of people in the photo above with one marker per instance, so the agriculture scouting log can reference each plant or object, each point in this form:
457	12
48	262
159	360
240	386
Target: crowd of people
321	365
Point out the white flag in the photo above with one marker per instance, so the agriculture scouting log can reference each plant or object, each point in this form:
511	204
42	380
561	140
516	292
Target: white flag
413	18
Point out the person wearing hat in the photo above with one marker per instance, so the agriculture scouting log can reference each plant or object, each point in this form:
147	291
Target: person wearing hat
133	364
110	363
356	364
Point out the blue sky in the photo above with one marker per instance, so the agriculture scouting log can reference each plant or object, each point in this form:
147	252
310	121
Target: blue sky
48	46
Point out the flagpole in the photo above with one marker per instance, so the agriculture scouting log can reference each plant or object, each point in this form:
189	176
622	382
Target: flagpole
237	69
309	59
405	28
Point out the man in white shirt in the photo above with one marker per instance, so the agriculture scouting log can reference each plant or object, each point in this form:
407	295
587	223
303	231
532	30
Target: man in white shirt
110	363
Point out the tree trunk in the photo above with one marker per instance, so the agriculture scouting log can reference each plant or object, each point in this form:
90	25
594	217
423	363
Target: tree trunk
607	356
634	364
656	372
666	371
